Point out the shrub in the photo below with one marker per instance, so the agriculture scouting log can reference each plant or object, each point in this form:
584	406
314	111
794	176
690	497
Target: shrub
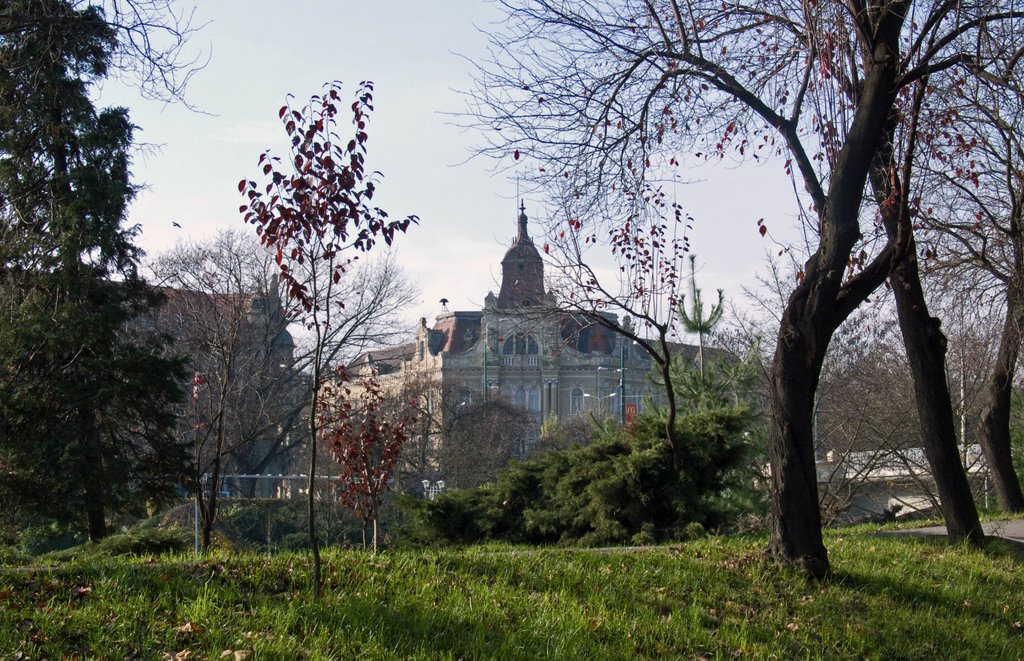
42	538
145	541
13	556
138	541
621	489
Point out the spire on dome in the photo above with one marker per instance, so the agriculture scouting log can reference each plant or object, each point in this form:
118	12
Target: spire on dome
523	235
522	271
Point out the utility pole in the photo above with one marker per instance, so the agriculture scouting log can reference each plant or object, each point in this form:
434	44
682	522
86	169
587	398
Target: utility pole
622	379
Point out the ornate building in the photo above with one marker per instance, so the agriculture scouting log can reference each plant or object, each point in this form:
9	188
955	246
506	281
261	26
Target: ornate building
547	362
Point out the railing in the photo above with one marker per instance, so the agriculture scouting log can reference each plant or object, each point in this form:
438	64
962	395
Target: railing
887	464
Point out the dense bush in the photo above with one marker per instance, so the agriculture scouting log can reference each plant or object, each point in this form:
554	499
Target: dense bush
39	537
143	540
621	489
12	555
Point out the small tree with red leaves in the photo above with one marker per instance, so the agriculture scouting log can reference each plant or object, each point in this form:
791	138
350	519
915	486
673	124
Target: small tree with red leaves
366	439
314	212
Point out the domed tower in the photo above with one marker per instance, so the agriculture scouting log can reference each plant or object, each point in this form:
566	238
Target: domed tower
522	271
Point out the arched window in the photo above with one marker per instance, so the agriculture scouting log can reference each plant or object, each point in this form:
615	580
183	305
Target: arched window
520	344
508	347
533	399
531	346
576	401
520	397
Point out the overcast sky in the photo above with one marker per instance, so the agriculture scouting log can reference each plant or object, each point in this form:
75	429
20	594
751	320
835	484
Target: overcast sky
419	55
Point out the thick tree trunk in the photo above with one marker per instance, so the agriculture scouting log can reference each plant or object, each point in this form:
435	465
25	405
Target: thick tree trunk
926	351
822	301
994	429
796	517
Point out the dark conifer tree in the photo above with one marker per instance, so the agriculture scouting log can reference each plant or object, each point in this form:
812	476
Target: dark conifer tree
84	405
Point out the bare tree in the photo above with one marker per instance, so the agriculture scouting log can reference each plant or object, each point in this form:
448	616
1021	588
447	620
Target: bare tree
976	212
224	311
611	96
558	434
462	441
648	252
483	437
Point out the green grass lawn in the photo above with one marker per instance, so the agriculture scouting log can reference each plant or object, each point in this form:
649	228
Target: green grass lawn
890	598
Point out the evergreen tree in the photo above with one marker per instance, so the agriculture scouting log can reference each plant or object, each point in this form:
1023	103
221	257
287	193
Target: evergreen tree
695	321
622	488
84	415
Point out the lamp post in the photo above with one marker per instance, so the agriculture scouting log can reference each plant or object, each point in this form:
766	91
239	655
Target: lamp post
487	340
431	489
622	381
599	399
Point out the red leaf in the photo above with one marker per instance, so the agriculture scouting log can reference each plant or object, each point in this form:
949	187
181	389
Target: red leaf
515	155
763	230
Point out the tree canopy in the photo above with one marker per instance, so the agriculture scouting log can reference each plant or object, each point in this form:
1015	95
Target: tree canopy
87	391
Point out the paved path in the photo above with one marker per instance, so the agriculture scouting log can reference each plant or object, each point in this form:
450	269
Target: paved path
1012	529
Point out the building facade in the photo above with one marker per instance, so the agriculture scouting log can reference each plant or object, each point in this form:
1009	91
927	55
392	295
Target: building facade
522	349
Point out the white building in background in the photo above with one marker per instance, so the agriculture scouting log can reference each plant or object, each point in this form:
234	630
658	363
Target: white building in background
546	362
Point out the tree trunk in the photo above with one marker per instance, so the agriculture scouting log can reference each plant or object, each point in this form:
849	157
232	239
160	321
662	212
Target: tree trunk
923	341
994	428
314	544
822	301
796	517
92	474
670	396
209	509
209	512
926	351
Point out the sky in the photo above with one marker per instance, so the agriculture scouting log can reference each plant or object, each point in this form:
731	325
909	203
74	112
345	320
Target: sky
420	55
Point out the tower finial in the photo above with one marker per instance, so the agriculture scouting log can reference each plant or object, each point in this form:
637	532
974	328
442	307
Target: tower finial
523	235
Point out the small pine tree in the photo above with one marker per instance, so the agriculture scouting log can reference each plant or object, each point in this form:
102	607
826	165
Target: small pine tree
695	321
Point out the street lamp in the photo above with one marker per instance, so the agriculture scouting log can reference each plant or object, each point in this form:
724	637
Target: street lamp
431	489
599	399
622	381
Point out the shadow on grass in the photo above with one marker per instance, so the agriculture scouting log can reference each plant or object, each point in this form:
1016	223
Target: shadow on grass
1000	547
941	595
366	625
